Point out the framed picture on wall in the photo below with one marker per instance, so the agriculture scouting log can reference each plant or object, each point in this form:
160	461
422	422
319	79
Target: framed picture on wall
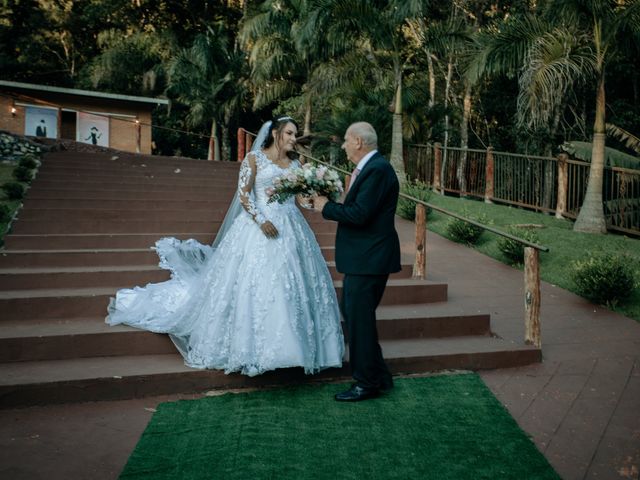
41	122
93	129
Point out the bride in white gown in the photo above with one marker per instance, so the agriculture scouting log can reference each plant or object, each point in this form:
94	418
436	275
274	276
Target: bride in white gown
261	297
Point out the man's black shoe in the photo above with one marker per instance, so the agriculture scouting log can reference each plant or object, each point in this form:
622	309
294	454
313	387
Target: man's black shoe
356	394
386	386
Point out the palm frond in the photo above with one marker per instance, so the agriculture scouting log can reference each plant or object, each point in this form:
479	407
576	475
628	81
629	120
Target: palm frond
553	65
628	139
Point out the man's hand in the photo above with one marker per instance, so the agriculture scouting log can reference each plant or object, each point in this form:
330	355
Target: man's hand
269	229
319	203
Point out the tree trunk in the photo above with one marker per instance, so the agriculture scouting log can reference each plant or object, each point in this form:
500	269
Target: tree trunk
432	89
550	167
307	117
214	143
432	81
591	217
445	174
226	147
464	139
397	160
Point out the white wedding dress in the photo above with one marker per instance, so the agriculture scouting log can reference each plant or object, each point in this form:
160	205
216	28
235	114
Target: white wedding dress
250	303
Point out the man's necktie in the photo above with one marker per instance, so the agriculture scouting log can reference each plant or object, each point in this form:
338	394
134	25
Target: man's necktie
354	174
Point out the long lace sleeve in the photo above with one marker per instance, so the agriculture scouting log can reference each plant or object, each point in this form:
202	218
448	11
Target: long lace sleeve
245	188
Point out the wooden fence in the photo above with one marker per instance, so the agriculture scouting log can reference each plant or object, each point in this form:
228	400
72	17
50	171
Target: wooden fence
547	184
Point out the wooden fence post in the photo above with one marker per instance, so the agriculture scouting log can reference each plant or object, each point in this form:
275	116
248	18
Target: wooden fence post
420	264
248	142
138	136
241	142
59	123
563	184
532	297
488	177
437	167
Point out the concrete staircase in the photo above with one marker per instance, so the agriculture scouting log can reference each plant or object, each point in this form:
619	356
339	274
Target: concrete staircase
85	231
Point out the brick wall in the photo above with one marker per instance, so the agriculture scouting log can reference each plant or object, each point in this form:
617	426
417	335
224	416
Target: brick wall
122	129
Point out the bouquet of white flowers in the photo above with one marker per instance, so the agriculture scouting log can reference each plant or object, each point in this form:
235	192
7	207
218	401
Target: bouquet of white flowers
306	180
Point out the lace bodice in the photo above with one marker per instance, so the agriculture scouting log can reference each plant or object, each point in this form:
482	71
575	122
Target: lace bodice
256	176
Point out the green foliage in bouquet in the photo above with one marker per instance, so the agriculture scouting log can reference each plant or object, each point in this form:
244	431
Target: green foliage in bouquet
306	180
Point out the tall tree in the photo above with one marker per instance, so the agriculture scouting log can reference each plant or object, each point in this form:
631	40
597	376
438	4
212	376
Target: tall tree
381	24
208	79
554	54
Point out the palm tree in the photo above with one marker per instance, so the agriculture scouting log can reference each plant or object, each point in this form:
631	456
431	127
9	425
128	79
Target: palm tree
206	78
284	53
570	43
383	41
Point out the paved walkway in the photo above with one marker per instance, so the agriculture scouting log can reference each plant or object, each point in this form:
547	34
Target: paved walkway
581	406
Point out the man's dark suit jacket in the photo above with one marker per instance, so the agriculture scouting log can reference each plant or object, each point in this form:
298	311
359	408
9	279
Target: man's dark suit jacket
367	242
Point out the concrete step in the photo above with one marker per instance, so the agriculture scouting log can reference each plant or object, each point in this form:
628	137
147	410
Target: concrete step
142	178
82	214
47	242
132	196
121	377
221	186
78	259
85	159
107	226
70	226
124	205
112	257
83	277
82	302
118	276
140	168
58	339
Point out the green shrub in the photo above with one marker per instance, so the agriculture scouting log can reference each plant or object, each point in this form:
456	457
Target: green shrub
13	190
28	161
464	232
605	279
513	250
407	208
23	174
5	214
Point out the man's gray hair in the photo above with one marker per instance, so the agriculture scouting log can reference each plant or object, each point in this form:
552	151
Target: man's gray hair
366	132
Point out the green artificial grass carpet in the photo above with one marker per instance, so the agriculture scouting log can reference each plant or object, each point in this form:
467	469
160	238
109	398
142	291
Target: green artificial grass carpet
442	427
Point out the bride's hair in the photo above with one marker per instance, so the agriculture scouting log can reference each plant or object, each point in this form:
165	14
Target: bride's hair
278	125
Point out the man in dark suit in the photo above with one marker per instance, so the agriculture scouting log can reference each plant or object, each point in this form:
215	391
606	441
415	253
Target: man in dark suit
367	251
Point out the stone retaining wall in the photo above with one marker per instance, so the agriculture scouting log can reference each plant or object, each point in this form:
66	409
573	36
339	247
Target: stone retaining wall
14	147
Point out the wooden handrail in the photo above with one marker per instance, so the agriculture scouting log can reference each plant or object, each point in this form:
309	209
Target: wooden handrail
531	251
531	266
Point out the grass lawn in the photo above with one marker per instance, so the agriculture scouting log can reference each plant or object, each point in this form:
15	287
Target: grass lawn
565	245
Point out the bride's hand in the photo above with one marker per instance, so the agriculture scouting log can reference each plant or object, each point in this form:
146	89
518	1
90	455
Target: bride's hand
269	229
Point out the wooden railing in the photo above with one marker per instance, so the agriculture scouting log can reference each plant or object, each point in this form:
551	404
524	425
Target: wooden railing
245	140
531	257
532	250
547	184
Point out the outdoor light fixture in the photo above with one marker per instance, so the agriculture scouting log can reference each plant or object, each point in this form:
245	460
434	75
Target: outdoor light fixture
13	111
